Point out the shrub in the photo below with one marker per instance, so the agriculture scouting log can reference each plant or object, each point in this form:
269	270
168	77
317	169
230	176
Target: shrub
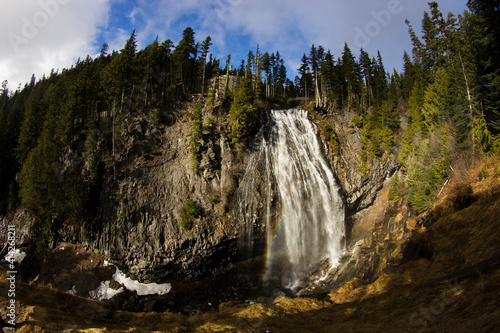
420	197
160	116
190	211
214	199
484	173
243	115
395	188
329	132
108	160
186	223
358	121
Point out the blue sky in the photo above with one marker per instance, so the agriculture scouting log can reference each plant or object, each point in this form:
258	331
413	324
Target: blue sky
38	35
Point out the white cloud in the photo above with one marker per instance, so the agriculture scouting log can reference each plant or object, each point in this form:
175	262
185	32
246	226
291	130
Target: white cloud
44	34
236	26
291	26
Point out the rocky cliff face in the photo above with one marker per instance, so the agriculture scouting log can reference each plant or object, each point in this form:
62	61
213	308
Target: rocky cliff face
137	224
138	216
359	188
138	219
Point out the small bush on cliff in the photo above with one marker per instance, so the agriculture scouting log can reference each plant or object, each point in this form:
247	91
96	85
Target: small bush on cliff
329	132
243	116
358	121
190	211
395	191
160	116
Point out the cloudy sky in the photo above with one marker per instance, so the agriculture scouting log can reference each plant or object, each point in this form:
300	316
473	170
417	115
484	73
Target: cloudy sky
38	35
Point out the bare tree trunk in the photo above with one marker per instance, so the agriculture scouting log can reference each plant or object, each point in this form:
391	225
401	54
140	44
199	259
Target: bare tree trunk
317	95
203	77
113	135
470	102
226	84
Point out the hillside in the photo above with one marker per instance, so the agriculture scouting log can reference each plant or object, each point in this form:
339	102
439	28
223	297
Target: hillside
182	195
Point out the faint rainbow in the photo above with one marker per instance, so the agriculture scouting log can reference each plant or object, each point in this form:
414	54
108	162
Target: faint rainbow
276	226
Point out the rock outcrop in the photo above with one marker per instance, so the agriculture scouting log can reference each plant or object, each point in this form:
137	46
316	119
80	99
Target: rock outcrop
138	220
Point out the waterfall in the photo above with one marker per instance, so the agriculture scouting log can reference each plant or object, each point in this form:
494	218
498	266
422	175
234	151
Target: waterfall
290	184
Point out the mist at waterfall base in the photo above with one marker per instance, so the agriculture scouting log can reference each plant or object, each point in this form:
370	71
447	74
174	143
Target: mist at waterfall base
300	212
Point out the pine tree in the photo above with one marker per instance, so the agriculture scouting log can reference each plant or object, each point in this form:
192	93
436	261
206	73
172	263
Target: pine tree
250	66
380	79
226	83
433	108
408	76
351	77
484	30
242	115
149	60
183	55
366	67
128	70
203	58
166	70
314	61
305	77
418	46
257	79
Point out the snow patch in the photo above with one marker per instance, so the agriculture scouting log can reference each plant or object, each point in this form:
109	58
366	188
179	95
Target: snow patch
141	288
16	255
72	291
104	292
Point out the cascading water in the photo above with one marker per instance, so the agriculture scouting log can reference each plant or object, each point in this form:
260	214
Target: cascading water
306	226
